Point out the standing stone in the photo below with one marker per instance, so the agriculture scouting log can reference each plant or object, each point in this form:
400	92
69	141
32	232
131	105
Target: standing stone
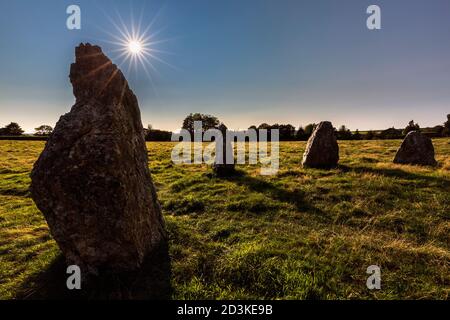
416	149
92	181
224	165
322	150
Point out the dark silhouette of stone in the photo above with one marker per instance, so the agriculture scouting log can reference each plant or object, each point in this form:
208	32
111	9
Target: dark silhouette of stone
92	181
224	165
416	149
322	150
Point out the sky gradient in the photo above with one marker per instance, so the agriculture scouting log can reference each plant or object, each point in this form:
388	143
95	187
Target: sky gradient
246	62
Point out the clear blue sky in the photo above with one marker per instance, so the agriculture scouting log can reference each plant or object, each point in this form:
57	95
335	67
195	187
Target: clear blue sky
247	62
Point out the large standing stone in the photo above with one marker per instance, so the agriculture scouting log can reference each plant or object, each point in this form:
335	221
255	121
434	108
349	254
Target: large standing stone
92	181
416	149
224	164
322	150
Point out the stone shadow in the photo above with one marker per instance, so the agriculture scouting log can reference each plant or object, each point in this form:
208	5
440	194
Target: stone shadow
151	282
396	173
295	197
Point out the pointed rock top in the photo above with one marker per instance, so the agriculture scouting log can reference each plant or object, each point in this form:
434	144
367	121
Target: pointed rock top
95	77
324	125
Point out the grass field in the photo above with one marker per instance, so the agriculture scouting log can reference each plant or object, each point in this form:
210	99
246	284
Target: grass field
303	234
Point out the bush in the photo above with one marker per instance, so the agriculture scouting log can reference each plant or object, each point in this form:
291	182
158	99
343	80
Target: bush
391	133
157	135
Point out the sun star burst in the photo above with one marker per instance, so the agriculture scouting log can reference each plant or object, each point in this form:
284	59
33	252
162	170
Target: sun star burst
136	46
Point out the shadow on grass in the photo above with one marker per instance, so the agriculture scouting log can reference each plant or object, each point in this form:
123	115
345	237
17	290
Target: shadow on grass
295	197
15	192
151	282
396	173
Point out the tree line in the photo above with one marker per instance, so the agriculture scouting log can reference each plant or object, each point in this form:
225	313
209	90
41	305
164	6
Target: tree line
287	132
15	130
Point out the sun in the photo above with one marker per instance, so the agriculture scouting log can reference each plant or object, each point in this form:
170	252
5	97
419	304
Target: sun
135	47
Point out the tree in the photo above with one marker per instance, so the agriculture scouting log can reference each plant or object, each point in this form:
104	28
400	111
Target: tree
438	131
208	122
446	131
370	135
264	126
344	133
287	132
301	135
43	130
12	129
357	135
411	127
309	129
256	130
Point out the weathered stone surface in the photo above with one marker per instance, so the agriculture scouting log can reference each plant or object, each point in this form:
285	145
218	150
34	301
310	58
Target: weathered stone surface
416	149
224	165
322	150
92	181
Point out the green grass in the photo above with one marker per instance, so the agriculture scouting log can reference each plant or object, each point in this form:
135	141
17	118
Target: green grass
303	234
